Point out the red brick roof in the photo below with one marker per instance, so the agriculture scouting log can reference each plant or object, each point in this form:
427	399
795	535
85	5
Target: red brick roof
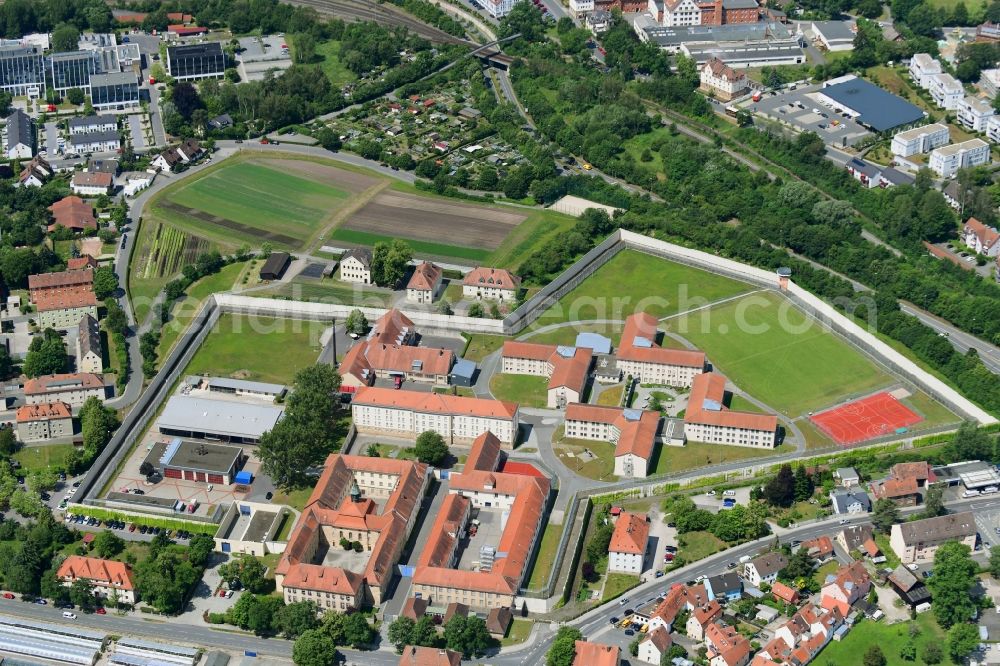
435	403
497	278
49	300
567	371
595	654
637	435
722	70
61	279
727	643
425	277
644	327
631	534
784	593
73	213
81	263
988	236
92	179
426	656
84	380
366	359
43	412
97	570
709	389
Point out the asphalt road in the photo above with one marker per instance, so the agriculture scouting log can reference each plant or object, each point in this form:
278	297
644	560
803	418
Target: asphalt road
962	341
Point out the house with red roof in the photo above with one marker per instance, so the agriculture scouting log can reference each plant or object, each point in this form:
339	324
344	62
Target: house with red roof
567	368
849	584
424	283
726	646
904	483
820	548
654	645
784	593
108	579
491	284
701	618
632	431
981	238
639	355
629	541
595	654
678	598
708	420
388	351
429	656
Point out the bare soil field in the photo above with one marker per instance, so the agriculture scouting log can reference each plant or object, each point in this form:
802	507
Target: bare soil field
343	179
250	232
420	218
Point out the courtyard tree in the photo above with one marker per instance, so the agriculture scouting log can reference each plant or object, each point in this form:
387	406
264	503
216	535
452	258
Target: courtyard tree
82	594
430	448
389	262
356	323
107	544
950	585
467	635
401	633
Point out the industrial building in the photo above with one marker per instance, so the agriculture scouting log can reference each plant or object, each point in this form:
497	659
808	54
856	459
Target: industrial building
224	420
196	61
50	642
196	461
869	105
239	387
135	652
739	45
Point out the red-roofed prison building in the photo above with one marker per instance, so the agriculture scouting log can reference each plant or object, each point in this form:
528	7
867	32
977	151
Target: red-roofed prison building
632	431
343	506
73	389
708	420
47	420
108	579
522	498
595	654
493	284
627	549
63	298
400	413
388	352
424	283
567	368
640	356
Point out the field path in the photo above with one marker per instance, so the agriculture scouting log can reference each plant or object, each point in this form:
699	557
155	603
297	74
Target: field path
357	203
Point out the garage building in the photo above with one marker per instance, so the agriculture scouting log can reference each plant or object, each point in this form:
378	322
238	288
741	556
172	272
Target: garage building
275	266
196	461
224	420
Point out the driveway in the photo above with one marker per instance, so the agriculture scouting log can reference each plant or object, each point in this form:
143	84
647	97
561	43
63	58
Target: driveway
135	128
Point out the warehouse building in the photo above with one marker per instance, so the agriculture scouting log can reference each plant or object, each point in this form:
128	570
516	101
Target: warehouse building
869	105
49	642
223	420
135	652
196	461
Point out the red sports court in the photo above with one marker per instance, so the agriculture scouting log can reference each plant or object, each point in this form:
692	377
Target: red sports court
874	416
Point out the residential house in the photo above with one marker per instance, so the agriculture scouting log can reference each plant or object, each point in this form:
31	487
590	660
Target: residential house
73	389
654	645
910	589
820	548
850	501
726	587
96	142
947	160
721	80
708	420
88	346
136	182
678	598
803	636
904	483
498	621
595	654
92	124
496	284
20	143
993	129
44	421
854	537
108	579
946	91
429	656
90	184
784	593
35	173
181	154
847	476
73	213
849	584
424	283
701	618
765	568
632	431
917	541
356	266
922	68
567	368
981	238
974	113
726	646
920	140
629	541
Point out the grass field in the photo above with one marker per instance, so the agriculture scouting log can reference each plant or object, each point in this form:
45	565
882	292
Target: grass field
601	467
183	310
420	248
546	556
236	346
674	459
694	546
481	345
250	197
536	230
518	632
618	584
528	390
34	458
778	355
890	638
934	412
611	397
632	282
328	59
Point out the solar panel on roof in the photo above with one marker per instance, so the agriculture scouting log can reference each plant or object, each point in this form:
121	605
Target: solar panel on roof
640	341
632	414
566	352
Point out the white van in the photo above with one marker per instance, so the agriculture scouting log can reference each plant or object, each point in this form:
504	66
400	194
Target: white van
69	616
729	493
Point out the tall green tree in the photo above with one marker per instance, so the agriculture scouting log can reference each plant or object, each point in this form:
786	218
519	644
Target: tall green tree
315	648
46	355
562	652
963	639
430	448
950	585
780	490
467	635
885	513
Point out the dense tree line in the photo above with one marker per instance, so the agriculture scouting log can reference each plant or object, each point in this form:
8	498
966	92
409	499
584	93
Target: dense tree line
20	17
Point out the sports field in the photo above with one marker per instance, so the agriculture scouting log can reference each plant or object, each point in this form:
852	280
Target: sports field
873	416
635	282
778	355
252	200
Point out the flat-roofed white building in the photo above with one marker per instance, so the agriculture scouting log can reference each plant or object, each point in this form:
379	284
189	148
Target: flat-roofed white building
581	7
920	140
947	160
974	113
989	82
922	68
993	129
498	8
946	90
224	420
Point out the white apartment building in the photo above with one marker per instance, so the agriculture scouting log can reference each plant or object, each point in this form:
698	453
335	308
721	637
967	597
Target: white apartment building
89	124
96	142
989	82
356	266
629	541
946	161
48	420
974	113
494	284
920	140
993	129
922	68
498	8
640	356
946	91
580	7
721	80
684	12
73	389
917	541
457	419
764	569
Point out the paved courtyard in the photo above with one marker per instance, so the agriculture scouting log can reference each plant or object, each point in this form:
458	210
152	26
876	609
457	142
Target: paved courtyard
801	110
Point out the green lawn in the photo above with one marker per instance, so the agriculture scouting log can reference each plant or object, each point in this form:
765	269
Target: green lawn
815	439
601	467
536	231
673	459
517	633
294	498
891	559
330	291
256	196
890	638
819	576
566	335
934	412
740	404
638	144
481	345
238	346
694	546
49	456
546	556
420	248
618	584
528	390
182	311
778	355
633	281
328	59
611	397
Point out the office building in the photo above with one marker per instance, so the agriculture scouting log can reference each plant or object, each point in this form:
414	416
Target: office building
196	61
22	70
72	69
115	91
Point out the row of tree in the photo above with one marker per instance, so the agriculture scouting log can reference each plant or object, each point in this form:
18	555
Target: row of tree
467	635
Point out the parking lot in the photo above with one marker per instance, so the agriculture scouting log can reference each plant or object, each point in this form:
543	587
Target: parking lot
988	525
800	110
258	55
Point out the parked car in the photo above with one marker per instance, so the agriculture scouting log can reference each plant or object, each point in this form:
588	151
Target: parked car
100	611
8	595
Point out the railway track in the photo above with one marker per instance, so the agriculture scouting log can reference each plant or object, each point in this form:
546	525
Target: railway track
387	15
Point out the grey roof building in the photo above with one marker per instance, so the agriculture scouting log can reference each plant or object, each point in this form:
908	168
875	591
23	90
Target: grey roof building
874	107
185	416
20	134
851	501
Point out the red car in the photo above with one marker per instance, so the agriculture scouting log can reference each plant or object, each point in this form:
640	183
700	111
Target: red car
8	595
101	611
